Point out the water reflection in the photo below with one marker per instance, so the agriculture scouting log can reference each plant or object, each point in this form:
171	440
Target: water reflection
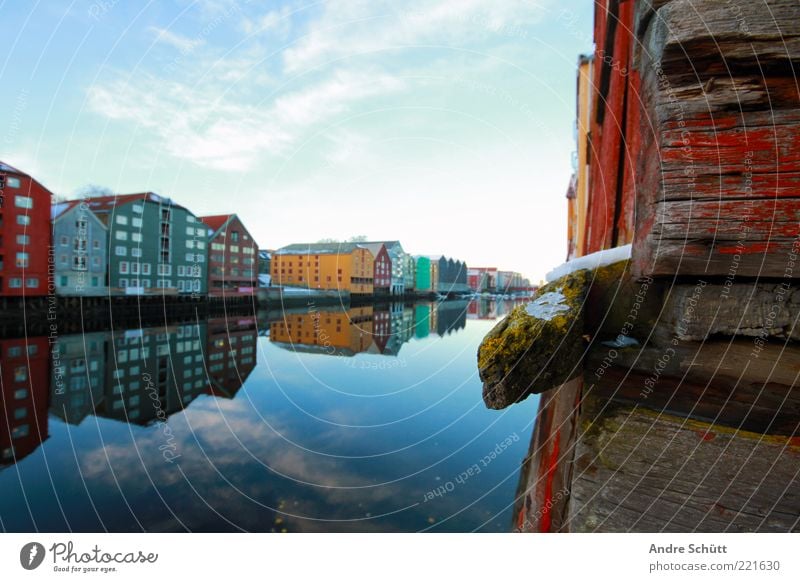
103	402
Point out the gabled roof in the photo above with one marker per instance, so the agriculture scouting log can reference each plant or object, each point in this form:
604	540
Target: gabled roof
373	247
103	204
319	249
217	221
59	208
11	169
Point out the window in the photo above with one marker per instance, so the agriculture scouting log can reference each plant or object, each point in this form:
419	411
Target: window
136	252
190	244
122	220
23	201
64	281
164	269
13	182
123	267
23	219
23	259
20	431
201	232
137	222
79	262
180	285
181	271
121	235
235	236
217	247
15	283
190	257
20	373
23	239
136	237
190	231
120	251
95	244
20	393
64	241
189	218
200	258
138	208
123	282
135	268
95	261
146	269
197	285
32	283
234	248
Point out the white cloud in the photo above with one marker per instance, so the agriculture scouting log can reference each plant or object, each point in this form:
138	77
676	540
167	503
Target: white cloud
211	128
183	43
350	27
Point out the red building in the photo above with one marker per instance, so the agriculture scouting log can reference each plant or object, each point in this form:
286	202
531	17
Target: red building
25	237
482	278
382	277
232	257
25	383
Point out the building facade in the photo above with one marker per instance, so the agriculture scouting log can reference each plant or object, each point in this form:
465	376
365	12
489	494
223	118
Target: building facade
482	279
382	268
155	246
399	260
80	245
333	266
24	234
232	257
409	274
424	281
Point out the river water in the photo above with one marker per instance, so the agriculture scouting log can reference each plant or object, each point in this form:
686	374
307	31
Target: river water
312	419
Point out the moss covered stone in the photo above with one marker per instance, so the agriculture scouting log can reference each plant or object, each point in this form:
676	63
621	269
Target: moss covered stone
538	346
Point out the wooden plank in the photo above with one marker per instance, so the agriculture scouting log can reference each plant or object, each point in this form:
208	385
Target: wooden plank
640	471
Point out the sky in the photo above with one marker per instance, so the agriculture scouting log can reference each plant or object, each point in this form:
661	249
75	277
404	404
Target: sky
446	124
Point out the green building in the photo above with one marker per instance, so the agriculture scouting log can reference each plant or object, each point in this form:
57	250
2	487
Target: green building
154	245
423	275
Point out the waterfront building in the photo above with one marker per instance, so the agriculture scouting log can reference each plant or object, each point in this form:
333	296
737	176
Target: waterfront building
155	245
399	262
339	266
424	280
482	279
451	275
24	234
80	246
382	268
409	274
232	257
264	262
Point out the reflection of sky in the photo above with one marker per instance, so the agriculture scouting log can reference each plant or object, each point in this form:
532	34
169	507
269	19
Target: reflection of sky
309	441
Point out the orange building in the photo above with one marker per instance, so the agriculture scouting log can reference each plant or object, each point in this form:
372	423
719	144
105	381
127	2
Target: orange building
342	266
578	193
335	333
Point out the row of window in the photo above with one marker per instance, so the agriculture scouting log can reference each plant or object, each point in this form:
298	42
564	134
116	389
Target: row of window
123	220
30	283
183	285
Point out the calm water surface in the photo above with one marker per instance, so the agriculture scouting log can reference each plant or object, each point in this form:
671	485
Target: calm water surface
320	419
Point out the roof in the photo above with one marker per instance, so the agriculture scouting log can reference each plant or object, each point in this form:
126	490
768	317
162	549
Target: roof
319	249
374	247
108	203
216	221
56	210
10	169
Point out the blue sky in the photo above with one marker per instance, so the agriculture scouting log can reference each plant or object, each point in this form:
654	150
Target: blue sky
446	124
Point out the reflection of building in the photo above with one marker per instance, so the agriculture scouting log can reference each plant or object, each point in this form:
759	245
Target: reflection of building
341	333
155	245
152	373
80	243
231	353
232	268
344	266
24	381
450	316
401	328
422	320
381	328
25	228
78	375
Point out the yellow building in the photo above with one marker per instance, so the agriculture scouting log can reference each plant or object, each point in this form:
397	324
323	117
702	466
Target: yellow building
341	266
335	333
580	203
